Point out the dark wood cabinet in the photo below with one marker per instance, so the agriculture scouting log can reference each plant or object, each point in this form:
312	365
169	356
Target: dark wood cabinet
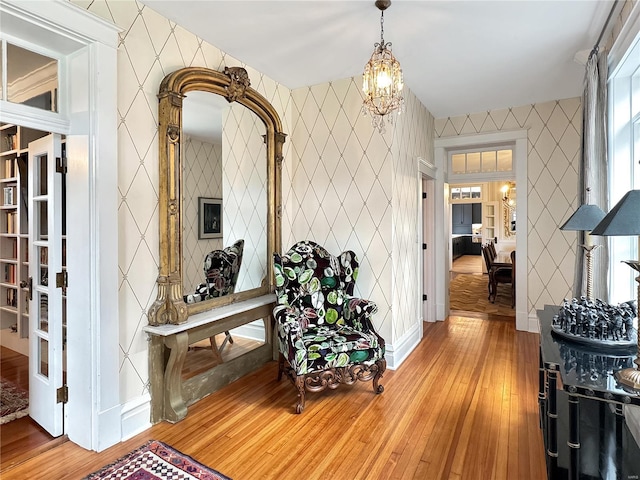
476	213
464	245
461	214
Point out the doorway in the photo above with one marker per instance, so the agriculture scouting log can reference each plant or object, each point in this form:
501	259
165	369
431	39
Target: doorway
483	227
33	314
517	142
86	48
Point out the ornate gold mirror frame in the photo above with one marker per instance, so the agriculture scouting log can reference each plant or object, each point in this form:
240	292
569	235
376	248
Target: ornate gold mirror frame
234	85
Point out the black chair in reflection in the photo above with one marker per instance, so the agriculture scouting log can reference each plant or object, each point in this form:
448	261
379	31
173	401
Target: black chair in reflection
221	270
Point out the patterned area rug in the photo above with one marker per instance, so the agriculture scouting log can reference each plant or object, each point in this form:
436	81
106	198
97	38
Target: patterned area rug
14	401
156	461
468	293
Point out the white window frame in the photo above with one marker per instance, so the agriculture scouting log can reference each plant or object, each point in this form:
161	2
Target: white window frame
623	96
483	176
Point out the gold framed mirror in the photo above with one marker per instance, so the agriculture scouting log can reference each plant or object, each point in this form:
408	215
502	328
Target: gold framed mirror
233	85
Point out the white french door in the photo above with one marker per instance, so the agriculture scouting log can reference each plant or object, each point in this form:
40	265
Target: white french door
47	284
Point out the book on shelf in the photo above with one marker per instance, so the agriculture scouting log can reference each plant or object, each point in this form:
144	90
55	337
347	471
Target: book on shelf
9	195
10	142
12	299
12	222
10	273
9	168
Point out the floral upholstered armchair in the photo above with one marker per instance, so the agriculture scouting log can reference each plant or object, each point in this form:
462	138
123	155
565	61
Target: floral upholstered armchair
325	335
221	270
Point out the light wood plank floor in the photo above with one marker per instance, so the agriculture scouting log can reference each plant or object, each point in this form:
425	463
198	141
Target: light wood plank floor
462	406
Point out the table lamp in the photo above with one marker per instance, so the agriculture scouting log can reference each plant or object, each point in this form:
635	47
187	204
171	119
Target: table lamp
584	220
624	220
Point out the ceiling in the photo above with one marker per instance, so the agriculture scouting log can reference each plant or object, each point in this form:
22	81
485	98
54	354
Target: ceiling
458	57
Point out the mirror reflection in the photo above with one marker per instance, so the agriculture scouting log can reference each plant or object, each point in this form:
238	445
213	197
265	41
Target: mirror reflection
509	208
224	182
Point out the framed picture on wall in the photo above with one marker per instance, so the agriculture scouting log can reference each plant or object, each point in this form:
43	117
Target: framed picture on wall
209	218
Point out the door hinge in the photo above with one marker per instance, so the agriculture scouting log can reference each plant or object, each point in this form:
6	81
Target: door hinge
424	195
62	280
62	394
424	297
61	164
424	246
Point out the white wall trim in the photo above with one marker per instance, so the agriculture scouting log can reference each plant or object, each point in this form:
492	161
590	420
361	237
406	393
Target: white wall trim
627	37
426	215
135	416
442	145
89	47
251	331
533	325
398	352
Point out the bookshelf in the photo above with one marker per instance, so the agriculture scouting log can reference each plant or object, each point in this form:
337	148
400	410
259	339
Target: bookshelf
14	235
490	221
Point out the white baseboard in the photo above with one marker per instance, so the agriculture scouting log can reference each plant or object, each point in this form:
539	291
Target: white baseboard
252	331
533	324
135	416
12	341
398	352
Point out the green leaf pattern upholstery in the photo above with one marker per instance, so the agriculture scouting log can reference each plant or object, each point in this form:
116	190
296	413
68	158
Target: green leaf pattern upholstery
221	270
320	324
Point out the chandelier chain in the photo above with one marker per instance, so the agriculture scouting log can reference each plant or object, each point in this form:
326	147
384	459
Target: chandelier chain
382	28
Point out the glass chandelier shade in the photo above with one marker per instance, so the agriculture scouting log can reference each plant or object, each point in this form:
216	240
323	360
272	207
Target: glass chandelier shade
382	80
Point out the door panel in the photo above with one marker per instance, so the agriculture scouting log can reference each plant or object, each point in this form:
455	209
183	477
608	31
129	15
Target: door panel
45	306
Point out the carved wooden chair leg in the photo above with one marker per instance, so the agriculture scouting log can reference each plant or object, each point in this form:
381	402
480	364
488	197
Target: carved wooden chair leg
301	393
280	366
382	366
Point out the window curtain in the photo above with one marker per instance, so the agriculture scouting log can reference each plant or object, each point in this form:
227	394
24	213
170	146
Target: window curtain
593	183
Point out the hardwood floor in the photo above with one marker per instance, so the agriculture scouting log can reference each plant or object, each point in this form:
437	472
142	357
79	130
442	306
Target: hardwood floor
462	406
21	438
468	294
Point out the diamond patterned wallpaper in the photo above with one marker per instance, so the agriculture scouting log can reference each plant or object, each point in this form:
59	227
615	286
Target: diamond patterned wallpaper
202	177
151	47
245	192
344	184
413	138
553	158
354	188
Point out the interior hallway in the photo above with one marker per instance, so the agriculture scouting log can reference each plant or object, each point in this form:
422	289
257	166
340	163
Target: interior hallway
463	406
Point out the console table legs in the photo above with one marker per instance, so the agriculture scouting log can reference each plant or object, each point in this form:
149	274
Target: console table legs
574	437
552	414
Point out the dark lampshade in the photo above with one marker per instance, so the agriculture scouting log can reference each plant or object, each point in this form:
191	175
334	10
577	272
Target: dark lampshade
584	219
623	219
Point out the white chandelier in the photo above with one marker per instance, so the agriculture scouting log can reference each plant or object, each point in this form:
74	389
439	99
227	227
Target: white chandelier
382	79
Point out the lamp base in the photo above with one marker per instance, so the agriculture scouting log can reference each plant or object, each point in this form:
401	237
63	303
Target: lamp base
629	377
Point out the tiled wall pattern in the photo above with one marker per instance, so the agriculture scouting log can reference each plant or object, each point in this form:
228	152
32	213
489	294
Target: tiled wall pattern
554	140
151	47
354	188
201	177
244	188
